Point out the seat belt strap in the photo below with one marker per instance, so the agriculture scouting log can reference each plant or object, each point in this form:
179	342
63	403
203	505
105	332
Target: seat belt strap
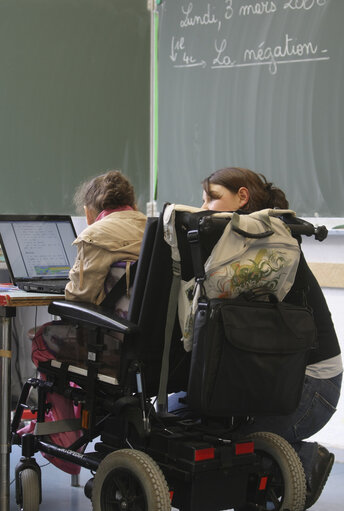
120	288
170	320
60	426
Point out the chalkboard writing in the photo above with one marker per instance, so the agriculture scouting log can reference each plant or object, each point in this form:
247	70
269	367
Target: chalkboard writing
255	84
289	51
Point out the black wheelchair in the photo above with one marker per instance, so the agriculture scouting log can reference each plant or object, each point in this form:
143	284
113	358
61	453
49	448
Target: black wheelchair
146	459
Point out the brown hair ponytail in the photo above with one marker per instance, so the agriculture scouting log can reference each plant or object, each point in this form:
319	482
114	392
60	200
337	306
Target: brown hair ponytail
263	194
107	191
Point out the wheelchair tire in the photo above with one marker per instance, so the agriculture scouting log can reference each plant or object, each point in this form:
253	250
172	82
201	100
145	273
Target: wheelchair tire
29	490
286	489
131	480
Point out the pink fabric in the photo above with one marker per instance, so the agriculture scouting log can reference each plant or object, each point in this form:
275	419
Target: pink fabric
61	408
107	212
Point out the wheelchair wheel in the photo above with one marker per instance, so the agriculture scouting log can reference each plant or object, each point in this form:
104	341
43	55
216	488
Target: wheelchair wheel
286	487
130	480
29	490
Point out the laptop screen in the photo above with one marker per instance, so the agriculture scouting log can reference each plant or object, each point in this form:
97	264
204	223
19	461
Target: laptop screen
38	247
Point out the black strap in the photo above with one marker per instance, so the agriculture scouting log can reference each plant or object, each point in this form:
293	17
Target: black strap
120	288
195	248
170	319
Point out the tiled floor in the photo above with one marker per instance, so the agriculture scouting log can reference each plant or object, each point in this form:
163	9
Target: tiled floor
59	495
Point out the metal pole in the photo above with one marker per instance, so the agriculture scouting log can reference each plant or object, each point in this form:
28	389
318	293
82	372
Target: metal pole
75	480
151	205
5	409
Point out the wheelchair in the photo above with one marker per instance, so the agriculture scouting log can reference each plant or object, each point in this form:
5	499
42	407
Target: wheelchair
146	459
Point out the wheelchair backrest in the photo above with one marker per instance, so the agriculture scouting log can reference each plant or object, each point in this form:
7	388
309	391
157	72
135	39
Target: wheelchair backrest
148	309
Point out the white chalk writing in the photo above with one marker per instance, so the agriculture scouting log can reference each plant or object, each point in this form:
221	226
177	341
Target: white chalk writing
303	4
176	45
258	8
229	9
272	54
218	47
181	57
222	60
206	19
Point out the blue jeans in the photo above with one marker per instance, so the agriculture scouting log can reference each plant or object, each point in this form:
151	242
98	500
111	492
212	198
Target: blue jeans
317	405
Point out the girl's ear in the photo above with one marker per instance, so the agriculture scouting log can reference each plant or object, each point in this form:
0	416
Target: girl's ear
244	196
90	215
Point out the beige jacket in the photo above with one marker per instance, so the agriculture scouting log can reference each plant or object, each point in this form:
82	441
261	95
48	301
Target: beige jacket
116	237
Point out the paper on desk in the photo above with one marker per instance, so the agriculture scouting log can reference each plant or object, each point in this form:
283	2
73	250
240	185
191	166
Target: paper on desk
8	287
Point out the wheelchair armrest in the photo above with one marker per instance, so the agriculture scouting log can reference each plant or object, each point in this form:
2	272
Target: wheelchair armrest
93	315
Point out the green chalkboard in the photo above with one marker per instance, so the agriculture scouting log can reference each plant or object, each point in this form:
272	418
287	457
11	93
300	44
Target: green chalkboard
74	98
258	85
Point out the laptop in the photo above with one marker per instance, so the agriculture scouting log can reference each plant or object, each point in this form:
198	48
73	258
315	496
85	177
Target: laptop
38	251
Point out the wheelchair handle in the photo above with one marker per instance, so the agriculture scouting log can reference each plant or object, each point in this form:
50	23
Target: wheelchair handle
304	228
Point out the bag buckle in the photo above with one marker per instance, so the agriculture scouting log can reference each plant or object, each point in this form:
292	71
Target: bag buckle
203	303
193	236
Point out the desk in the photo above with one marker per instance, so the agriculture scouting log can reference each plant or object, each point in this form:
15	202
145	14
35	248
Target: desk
9	300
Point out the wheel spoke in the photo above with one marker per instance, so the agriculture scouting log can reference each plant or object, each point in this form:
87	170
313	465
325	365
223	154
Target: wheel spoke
132	487
136	498
111	502
275	499
121	485
113	493
112	505
138	503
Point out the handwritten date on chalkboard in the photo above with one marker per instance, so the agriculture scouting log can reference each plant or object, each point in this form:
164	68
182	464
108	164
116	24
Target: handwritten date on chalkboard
217	21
